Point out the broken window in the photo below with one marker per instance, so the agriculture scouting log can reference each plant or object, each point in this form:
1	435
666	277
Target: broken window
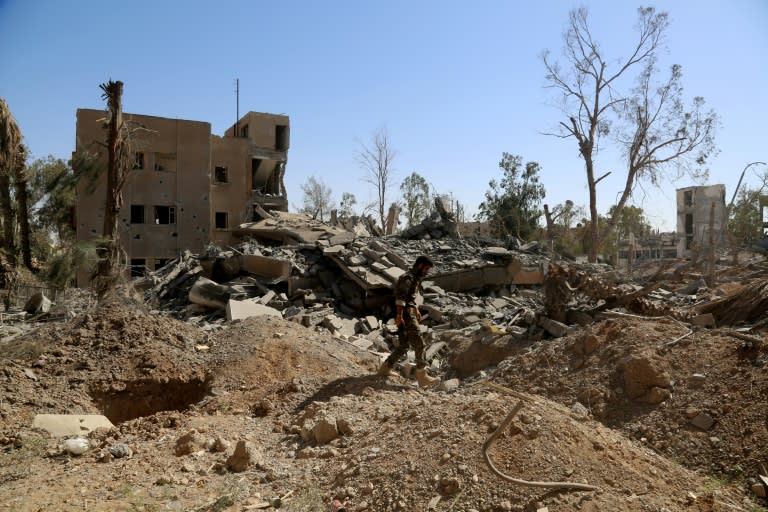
221	220
220	174
281	137
160	263
165	162
165	215
137	214
138	160
688	198
244	131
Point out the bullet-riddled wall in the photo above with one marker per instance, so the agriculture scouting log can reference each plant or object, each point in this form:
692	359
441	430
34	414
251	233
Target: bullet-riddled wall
694	205
186	187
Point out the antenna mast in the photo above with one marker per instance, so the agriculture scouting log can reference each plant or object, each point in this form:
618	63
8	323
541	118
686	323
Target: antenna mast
237	107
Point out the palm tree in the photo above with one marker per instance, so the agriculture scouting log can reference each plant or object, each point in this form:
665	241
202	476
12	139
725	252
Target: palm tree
10	139
22	206
118	162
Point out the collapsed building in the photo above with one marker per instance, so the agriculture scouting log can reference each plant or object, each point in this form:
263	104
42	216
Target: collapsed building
187	187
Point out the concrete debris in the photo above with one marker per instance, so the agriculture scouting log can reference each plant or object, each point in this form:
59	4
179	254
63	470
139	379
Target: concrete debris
339	279
38	303
61	425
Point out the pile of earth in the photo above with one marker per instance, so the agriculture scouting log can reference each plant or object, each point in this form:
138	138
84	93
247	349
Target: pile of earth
317	426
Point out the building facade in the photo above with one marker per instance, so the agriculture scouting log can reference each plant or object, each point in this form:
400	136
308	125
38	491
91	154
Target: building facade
695	207
187	187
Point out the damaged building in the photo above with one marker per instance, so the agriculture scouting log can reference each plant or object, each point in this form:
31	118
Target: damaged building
696	208
187	187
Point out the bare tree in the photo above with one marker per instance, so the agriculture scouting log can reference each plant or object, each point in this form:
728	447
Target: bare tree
376	159
655	131
317	198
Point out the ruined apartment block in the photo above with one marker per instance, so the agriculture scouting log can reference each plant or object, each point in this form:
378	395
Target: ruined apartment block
694	208
187	186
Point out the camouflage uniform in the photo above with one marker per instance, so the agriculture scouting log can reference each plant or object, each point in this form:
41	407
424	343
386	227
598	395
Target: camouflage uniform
408	333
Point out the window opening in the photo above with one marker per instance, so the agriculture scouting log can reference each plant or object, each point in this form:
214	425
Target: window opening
137	214
281	137
220	174
165	215
221	220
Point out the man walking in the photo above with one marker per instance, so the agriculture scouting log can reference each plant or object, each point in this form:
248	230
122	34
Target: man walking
407	319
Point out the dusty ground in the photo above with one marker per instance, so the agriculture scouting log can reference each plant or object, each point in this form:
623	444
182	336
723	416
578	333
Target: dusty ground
403	448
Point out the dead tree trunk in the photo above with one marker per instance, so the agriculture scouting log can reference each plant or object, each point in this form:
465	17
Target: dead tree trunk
7	209
22	204
117	166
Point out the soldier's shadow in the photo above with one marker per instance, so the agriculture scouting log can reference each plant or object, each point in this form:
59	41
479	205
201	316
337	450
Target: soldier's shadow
362	385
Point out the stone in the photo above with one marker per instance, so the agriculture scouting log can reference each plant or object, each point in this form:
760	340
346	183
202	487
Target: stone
703	421
325	430
697	380
120	450
242	309
449	385
656	395
60	425
553	327
579	411
641	374
332	323
244	457
190	442
38	303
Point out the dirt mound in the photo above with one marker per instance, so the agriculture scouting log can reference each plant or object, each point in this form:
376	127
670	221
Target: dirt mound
315	424
644	378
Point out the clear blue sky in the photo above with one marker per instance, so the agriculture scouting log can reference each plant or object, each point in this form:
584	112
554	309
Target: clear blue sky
455	83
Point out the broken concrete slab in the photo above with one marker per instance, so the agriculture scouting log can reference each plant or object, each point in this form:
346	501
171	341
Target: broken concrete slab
62	425
242	309
209	293
553	327
265	266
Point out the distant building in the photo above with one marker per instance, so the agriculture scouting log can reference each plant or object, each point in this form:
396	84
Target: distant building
694	207
187	187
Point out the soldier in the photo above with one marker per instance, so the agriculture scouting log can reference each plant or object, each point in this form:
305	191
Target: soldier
407	320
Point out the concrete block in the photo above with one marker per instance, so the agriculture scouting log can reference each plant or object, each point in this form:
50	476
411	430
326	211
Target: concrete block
705	320
265	266
372	322
362	343
528	277
62	425
267	297
242	309
334	249
394	273
342	238
553	327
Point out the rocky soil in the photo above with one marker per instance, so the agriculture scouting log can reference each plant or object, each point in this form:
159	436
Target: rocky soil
266	414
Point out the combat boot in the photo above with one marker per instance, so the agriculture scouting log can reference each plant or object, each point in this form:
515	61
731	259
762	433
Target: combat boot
385	370
425	380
